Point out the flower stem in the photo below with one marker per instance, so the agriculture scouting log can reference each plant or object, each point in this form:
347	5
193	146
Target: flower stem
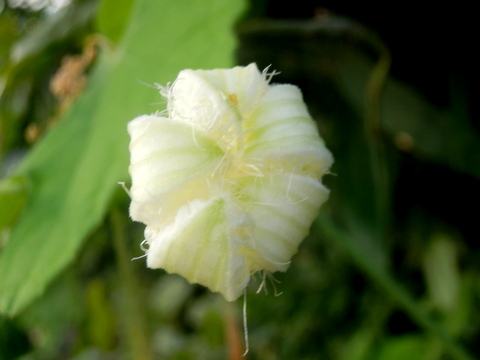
232	333
378	162
132	309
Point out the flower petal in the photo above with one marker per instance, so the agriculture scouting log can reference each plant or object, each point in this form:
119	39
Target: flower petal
201	245
166	155
163	209
281	131
242	87
195	100
283	208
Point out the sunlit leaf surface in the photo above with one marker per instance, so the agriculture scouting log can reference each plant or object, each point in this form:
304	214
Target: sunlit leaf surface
76	167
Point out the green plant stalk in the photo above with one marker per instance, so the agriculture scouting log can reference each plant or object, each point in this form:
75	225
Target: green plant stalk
388	284
134	316
378	162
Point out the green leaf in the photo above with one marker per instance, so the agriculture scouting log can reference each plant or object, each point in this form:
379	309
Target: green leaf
8	36
13	196
441	271
76	167
113	16
403	347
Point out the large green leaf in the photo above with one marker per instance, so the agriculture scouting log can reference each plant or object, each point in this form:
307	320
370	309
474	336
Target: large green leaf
13	196
76	167
114	26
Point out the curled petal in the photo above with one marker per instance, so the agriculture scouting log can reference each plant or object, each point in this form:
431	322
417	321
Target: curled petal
283	208
166	156
281	131
194	100
241	87
201	245
162	209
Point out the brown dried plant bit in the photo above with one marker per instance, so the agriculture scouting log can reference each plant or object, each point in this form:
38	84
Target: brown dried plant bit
404	141
66	85
70	80
90	50
32	133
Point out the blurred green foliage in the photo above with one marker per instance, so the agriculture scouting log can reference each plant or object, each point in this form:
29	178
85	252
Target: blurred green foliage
389	271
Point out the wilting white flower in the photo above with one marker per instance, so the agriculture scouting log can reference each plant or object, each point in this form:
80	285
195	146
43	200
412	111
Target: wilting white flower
227	180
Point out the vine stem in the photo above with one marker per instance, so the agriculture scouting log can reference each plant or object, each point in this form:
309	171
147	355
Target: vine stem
388	284
134	318
373	130
232	333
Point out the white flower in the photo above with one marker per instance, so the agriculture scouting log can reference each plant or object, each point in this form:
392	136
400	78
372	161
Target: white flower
228	179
